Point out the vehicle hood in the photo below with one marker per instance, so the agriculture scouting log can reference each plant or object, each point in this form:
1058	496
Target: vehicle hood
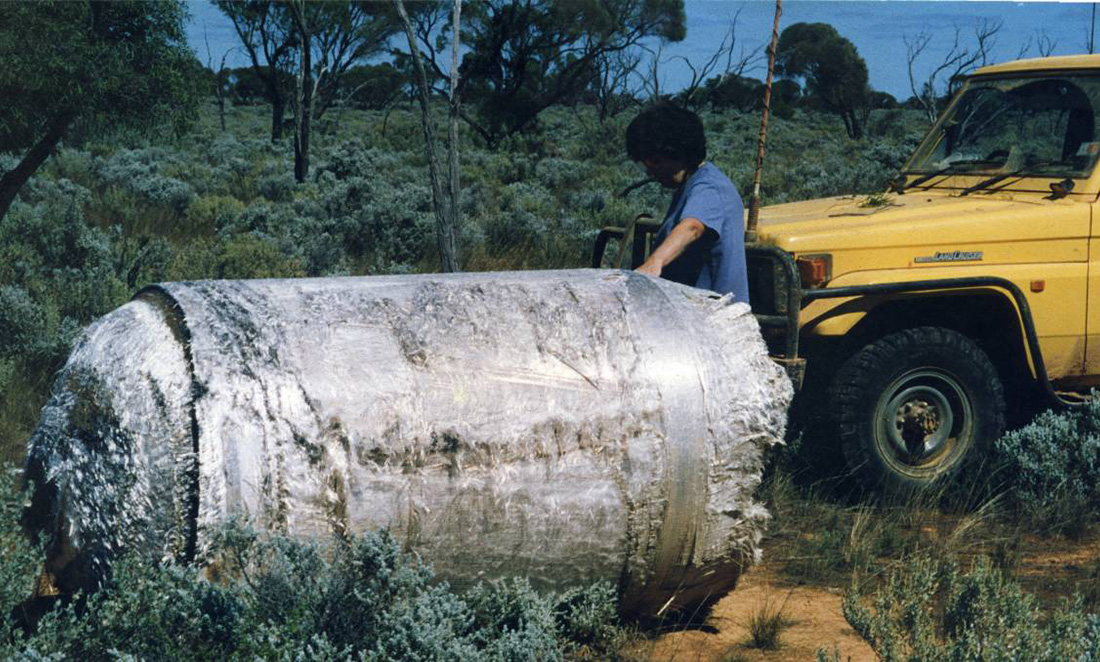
916	219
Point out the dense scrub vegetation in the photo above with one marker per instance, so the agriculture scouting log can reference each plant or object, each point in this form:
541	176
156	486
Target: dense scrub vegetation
280	599
930	609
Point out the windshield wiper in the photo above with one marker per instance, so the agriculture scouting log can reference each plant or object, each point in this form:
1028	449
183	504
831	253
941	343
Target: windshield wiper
899	184
1026	170
946	170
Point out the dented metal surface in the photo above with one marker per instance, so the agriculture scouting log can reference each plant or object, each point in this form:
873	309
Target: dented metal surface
568	426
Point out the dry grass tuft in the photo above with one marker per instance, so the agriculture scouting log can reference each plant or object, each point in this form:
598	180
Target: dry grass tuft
766	625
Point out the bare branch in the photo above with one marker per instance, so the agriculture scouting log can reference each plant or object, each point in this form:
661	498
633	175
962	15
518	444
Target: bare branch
1024	48
914	46
1045	44
735	65
958	61
612	88
724	50
651	76
1090	33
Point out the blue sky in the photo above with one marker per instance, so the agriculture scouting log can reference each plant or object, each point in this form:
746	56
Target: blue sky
877	29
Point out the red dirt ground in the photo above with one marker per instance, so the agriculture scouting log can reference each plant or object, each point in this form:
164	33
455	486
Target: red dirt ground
813	613
1050	568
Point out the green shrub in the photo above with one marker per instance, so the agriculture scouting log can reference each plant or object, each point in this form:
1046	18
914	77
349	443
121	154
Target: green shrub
57	273
22	322
250	256
586	619
354	158
62	263
140	172
1052	466
281	599
207	213
239	256
146	612
278	187
558	174
929	610
19	560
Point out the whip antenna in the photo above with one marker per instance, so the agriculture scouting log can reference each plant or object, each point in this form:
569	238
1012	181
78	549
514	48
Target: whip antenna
754	200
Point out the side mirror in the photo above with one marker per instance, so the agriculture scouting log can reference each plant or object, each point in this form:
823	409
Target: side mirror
1061	189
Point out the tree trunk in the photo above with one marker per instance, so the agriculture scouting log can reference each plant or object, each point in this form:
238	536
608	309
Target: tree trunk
13	180
444	221
221	98
851	124
278	110
304	110
454	190
303	99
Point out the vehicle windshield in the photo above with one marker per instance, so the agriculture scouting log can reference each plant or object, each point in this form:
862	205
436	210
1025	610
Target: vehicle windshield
1044	126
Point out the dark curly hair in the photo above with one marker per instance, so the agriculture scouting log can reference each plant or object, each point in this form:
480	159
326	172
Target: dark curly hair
666	131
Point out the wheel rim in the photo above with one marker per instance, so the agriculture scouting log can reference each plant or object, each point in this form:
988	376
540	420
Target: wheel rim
924	423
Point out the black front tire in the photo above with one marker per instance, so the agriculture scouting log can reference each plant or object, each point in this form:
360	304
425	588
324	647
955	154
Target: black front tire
914	407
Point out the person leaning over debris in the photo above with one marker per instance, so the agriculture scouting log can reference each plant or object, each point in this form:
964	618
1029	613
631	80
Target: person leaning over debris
702	239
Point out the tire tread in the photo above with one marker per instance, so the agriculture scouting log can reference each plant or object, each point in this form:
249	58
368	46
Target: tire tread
848	393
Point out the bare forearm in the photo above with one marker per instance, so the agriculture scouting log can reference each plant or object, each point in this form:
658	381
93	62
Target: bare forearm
683	235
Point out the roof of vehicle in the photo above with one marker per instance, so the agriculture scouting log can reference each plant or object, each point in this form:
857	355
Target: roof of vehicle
1060	62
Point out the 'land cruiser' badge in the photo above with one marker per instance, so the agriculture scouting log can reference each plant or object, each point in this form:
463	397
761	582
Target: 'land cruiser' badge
951	256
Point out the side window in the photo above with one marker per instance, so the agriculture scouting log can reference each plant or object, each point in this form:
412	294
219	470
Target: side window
1054	118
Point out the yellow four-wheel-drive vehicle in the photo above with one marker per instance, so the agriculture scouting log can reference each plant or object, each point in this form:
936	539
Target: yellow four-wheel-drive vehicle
916	315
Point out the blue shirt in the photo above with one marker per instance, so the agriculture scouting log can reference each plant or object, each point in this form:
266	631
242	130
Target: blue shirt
715	261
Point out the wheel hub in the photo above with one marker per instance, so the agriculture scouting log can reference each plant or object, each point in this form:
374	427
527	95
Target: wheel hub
921	422
917	418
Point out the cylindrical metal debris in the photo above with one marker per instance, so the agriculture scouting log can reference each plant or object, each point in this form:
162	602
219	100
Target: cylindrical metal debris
567	426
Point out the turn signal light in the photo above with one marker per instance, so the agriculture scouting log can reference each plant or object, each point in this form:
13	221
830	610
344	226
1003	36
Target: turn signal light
814	270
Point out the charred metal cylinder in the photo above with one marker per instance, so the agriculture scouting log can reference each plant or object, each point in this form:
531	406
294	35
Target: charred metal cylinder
567	426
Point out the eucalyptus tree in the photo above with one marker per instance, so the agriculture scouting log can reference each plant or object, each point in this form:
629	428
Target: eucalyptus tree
302	49
331	36
527	55
834	73
267	34
93	67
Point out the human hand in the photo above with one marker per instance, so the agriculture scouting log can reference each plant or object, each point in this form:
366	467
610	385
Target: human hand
650	268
